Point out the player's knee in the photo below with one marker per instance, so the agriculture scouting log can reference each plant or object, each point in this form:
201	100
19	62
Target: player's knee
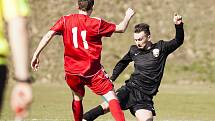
105	107
144	115
110	96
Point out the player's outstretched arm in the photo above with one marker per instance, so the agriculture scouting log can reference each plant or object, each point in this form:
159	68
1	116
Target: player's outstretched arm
179	28
179	37
178	40
45	40
120	28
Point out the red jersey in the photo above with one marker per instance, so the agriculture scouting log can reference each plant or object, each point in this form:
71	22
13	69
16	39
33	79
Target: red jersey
82	42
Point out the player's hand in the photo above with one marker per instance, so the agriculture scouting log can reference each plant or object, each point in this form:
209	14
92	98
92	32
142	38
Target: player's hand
35	63
21	99
130	12
177	19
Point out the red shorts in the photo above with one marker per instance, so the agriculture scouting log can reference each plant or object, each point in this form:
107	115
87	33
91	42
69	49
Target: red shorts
98	83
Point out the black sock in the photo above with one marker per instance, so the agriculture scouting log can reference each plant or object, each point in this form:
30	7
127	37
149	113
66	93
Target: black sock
93	113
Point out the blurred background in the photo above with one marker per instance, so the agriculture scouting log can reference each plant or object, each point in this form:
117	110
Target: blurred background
187	90
191	63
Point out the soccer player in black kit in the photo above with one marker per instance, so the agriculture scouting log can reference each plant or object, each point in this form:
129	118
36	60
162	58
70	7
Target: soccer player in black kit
149	62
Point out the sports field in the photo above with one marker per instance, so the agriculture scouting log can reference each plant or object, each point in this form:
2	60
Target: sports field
173	103
192	64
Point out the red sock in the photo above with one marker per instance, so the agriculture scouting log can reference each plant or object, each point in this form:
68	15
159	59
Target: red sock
77	109
116	110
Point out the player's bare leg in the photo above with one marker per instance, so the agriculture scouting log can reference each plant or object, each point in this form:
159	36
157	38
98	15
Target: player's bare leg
105	107
114	106
77	107
144	115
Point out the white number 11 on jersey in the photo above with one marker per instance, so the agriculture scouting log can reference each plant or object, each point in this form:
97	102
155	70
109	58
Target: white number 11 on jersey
83	36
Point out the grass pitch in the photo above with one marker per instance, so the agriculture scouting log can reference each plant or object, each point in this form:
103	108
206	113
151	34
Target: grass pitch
52	102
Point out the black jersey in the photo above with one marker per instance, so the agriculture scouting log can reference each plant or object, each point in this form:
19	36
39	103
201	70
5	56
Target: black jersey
148	63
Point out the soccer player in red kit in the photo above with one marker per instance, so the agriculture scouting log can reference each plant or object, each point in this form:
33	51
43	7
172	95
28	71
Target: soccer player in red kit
82	41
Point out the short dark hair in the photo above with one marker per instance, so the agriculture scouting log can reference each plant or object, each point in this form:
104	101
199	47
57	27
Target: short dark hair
85	5
142	27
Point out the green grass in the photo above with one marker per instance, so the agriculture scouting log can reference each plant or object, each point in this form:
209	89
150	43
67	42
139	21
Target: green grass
52	102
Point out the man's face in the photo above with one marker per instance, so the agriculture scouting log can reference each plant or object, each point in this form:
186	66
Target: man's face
141	39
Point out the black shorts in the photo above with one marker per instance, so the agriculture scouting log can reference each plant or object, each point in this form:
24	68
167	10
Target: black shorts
133	99
3	79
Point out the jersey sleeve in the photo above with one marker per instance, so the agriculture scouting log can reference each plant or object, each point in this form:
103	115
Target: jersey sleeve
59	26
14	8
172	45
121	65
106	29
